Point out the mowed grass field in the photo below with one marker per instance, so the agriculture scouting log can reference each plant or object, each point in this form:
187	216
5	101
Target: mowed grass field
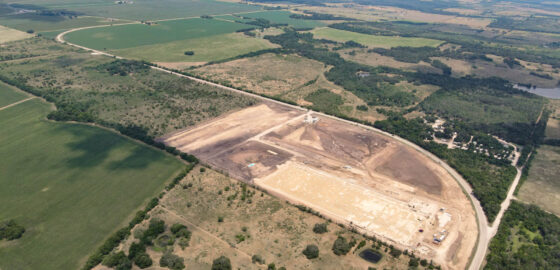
542	187
69	185
372	40
205	49
8	95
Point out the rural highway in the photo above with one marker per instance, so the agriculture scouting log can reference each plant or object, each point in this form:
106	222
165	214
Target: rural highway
486	232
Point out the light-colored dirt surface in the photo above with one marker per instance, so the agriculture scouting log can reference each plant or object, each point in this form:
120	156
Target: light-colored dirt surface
357	177
9	34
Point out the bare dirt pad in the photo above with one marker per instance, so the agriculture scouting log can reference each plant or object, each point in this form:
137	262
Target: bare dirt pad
9	34
353	175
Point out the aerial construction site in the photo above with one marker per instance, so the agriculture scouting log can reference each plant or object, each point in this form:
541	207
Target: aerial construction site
354	176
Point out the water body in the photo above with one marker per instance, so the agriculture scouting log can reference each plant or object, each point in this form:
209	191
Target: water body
371	255
553	93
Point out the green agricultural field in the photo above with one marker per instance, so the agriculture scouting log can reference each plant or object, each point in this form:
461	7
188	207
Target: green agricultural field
205	49
134	35
373	40
69	185
283	17
8	95
144	9
39	24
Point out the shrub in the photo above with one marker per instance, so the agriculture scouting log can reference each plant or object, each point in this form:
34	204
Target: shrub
257	259
177	227
10	230
171	261
189	53
311	252
118	261
395	252
271	266
341	246
320	228
156	227
220	219
362	108
136	249
221	263
143	260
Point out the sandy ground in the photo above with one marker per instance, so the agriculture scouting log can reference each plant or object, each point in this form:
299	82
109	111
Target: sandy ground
355	176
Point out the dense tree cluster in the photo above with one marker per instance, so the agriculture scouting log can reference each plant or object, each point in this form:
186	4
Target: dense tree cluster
10	230
528	238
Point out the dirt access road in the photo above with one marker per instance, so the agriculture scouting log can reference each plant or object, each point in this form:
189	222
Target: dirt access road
483	239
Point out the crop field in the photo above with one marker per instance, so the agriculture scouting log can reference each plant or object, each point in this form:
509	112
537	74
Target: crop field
69	185
211	48
8	34
542	186
283	17
134	35
253	223
9	95
158	102
306	160
371	40
41	24
145	9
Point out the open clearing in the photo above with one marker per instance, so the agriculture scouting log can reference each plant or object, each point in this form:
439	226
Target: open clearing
254	223
69	185
8	34
373	41
354	176
42	24
134	35
542	187
205	49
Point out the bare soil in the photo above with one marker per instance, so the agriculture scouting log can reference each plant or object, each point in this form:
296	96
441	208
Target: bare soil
352	175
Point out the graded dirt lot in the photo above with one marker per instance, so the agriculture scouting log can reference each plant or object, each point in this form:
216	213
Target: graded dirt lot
354	176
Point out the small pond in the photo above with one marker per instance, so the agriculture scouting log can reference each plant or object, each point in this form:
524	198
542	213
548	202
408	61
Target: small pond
371	255
553	93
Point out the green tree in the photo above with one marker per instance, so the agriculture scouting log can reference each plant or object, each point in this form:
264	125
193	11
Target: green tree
311	252
221	263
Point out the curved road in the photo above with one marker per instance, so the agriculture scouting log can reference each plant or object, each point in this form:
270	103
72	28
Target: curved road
486	232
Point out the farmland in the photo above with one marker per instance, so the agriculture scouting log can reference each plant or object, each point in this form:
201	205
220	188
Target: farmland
134	35
8	95
287	153
40	25
75	185
143	9
371	40
212	48
283	17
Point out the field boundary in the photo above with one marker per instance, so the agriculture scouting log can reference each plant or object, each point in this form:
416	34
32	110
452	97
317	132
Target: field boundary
482	242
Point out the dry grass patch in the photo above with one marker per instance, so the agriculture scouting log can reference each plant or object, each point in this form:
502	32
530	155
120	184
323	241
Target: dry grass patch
542	187
9	34
252	223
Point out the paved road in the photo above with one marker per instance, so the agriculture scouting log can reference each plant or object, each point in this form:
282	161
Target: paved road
484	235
